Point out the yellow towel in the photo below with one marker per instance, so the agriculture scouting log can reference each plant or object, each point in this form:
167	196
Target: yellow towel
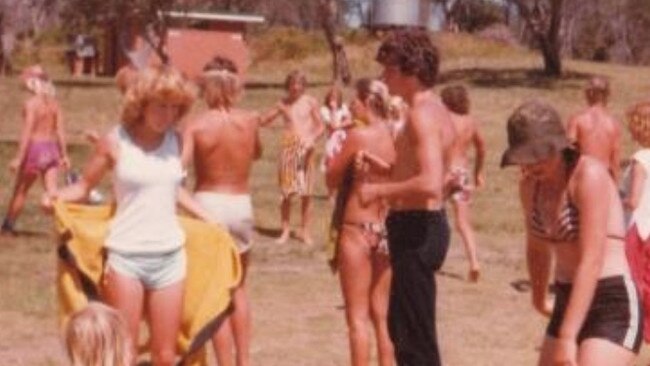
213	269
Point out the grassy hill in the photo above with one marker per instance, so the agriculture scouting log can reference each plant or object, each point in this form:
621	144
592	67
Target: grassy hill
298	318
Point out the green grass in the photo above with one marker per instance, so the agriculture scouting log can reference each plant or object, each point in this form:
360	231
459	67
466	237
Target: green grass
296	302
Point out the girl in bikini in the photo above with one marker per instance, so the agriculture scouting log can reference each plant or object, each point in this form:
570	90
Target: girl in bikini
42	147
361	253
572	210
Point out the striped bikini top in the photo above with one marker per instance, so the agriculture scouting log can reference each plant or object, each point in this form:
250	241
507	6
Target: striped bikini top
565	228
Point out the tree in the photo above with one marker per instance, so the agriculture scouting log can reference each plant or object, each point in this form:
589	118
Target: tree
543	18
145	15
328	10
474	15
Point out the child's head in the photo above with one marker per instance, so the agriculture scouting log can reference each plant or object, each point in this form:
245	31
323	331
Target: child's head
638	123
334	97
37	81
455	99
220	83
295	83
372	96
97	336
597	91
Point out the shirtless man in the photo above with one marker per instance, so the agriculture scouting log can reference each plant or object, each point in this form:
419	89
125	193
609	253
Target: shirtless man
223	142
302	128
418	232
42	147
595	130
467	133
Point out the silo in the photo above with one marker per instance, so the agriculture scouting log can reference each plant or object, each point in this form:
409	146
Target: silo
400	13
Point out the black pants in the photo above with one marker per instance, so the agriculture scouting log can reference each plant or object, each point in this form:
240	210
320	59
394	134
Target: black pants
418	242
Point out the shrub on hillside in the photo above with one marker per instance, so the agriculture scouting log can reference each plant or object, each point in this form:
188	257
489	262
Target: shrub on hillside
280	44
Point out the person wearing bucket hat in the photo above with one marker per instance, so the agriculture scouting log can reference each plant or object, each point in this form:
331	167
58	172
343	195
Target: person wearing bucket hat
572	211
42	147
594	130
637	203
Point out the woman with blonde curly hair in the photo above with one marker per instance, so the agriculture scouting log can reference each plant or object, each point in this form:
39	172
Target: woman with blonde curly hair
146	262
96	335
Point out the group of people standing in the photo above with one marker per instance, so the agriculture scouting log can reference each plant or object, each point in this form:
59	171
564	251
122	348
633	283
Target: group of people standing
393	160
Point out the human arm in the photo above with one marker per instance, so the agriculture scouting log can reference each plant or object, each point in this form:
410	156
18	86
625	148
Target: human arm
339	162
100	162
60	134
427	183
615	157
25	135
592	195
538	255
270	116
319	126
187	145
637	182
572	129
191	206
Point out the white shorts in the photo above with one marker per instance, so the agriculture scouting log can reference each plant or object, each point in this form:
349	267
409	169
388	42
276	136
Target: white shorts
154	270
234	211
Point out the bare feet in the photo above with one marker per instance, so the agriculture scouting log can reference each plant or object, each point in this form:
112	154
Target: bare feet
474	275
304	236
283	237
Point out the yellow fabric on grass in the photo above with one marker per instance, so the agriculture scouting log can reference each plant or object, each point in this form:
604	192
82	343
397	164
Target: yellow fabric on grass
213	269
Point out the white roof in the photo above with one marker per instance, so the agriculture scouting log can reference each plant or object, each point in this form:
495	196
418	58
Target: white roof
215	16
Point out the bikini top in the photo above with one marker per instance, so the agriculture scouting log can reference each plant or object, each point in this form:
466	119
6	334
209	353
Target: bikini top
566	227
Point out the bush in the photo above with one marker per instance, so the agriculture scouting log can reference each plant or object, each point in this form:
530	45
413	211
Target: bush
282	44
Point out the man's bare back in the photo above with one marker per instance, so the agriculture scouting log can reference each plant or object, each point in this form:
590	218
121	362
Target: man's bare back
224	148
597	133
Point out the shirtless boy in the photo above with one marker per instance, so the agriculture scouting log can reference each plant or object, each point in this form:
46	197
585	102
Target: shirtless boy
467	133
42	147
418	232
595	131
223	142
302	128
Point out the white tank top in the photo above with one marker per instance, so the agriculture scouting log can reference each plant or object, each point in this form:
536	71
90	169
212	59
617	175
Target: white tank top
145	184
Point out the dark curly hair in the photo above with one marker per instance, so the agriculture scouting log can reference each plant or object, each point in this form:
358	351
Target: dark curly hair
413	53
221	63
456	99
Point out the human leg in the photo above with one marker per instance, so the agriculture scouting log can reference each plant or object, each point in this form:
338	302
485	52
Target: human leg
164	308
546	353
355	277
24	182
241	317
285	216
464	228
418	242
126	295
306	220
223	343
602	352
381	278
50	183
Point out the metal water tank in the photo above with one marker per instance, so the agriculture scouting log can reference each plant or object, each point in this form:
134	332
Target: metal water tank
400	13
